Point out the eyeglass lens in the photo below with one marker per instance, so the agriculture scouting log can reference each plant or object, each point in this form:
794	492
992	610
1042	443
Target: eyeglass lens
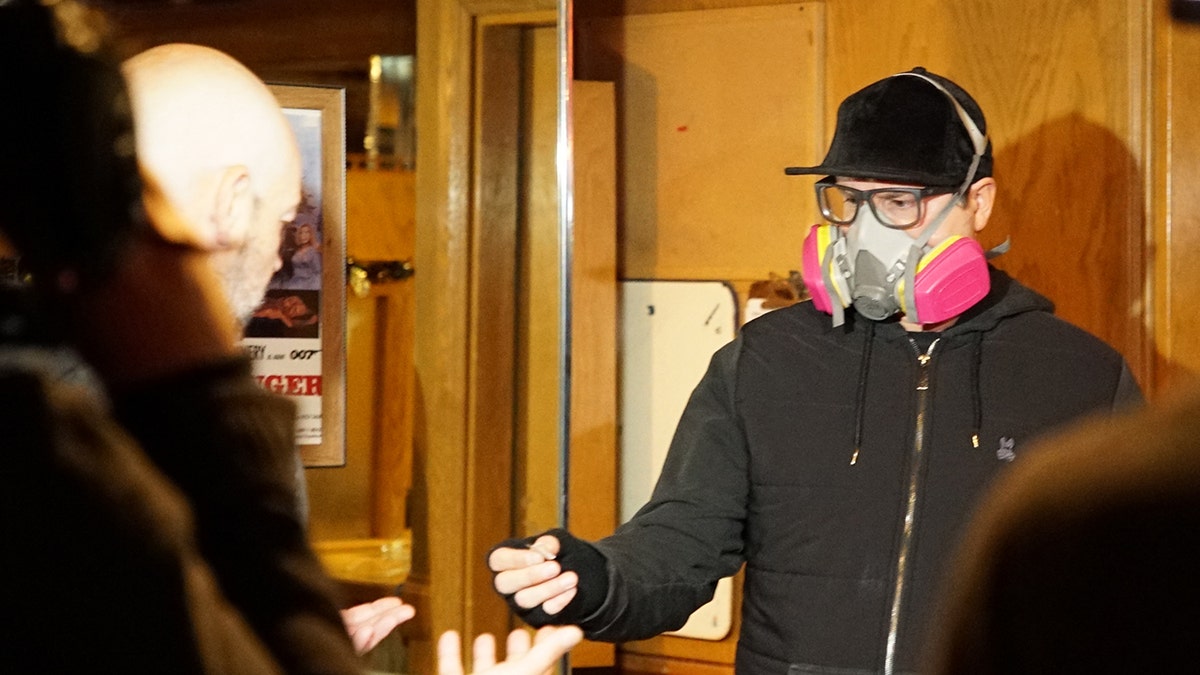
897	207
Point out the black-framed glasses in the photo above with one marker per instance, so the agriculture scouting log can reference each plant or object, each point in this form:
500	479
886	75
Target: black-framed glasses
898	207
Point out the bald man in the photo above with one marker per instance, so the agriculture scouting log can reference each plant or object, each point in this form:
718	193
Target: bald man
213	137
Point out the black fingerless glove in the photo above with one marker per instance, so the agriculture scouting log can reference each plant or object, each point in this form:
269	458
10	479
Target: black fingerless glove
578	556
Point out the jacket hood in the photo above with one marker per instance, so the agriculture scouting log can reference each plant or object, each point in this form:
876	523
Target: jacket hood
1007	297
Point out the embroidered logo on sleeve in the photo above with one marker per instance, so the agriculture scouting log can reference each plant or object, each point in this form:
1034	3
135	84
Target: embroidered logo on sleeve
1005	452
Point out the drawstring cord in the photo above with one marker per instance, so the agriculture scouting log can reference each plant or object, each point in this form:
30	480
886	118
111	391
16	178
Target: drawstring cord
976	396
861	398
861	403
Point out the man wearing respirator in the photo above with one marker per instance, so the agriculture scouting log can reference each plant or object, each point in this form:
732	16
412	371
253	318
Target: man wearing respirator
835	447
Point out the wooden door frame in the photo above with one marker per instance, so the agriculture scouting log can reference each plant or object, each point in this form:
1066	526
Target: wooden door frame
454	493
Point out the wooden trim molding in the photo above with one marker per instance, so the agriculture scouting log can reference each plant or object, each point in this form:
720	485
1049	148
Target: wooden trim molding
447	427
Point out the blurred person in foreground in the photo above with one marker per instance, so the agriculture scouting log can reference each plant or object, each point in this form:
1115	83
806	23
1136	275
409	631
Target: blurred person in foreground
213	138
1083	559
120	375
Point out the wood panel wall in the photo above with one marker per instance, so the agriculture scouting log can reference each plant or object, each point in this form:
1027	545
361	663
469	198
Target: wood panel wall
592	470
1061	82
702	140
1174	199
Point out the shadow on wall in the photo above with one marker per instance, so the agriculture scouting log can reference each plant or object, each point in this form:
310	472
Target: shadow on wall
637	198
1070	197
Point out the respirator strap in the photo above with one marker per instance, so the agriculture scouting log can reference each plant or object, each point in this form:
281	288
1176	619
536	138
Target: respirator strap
910	283
999	249
836	299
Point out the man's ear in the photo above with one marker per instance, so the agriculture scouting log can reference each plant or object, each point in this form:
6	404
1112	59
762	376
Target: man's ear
981	197
233	207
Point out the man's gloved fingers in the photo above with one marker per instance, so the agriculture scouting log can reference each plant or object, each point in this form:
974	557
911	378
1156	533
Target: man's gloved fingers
504	559
546	546
573	578
534	596
559	602
515	581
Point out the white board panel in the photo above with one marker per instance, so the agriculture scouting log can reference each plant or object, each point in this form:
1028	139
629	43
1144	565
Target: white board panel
669	331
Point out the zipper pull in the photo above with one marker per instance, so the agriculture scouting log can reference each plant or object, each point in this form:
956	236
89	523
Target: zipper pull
923	360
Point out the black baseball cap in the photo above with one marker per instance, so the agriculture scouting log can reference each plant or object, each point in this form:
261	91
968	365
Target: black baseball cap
905	129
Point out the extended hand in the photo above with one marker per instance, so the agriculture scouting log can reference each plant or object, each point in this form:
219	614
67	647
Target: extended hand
549	645
370	622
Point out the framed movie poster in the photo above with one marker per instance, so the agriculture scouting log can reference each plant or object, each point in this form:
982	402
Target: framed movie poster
296	337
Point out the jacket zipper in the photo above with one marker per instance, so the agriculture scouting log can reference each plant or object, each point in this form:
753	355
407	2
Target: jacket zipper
910	508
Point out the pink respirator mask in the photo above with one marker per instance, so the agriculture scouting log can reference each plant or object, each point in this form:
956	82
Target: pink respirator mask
928	287
871	264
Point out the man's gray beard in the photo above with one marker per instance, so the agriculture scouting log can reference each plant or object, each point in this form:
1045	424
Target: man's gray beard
243	296
243	320
242	299
244	311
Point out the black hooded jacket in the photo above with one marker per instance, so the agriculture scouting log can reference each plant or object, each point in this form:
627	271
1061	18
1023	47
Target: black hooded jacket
805	450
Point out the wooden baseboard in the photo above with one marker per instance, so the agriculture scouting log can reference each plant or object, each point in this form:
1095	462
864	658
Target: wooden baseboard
643	664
